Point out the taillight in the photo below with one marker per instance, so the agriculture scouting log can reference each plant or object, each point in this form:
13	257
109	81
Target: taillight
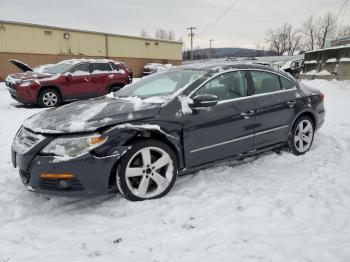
321	96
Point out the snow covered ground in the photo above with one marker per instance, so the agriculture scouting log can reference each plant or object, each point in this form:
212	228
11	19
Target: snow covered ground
271	208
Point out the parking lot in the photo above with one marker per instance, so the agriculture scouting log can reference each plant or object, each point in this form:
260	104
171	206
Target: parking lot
275	207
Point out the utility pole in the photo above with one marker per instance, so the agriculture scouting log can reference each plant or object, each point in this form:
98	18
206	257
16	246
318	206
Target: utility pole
210	41
191	35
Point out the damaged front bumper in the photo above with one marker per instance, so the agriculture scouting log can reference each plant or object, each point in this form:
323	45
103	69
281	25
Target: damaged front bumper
89	175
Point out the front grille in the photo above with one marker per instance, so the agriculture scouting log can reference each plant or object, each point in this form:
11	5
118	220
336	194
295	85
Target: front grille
26	140
54	184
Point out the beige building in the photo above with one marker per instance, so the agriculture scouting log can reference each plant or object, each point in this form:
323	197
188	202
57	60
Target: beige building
40	44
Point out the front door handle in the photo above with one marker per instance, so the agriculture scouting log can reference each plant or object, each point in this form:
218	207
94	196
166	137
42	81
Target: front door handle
87	79
291	103
247	114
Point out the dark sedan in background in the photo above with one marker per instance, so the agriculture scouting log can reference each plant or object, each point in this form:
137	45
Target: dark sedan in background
164	125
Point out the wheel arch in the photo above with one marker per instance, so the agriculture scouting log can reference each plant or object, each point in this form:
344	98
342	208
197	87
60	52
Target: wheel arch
46	87
145	133
306	112
154	135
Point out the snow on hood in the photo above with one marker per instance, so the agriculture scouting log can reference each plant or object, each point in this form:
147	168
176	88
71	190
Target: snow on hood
89	115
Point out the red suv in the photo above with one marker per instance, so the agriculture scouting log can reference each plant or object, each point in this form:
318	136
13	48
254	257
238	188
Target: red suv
73	79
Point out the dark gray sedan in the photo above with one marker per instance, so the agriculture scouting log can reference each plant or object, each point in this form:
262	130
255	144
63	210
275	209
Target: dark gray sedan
167	124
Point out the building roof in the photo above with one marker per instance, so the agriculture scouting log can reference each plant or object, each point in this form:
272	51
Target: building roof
85	31
329	48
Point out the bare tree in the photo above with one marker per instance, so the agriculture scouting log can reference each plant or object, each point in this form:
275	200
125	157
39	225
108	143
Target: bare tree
294	39
327	27
273	38
309	29
161	34
144	33
171	35
283	38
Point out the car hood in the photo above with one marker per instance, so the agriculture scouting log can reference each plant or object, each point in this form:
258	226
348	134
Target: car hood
22	66
90	115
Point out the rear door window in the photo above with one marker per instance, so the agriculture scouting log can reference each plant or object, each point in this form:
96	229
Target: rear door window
115	67
286	84
97	68
265	82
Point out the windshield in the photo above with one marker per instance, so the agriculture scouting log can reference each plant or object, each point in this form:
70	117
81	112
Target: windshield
161	84
58	68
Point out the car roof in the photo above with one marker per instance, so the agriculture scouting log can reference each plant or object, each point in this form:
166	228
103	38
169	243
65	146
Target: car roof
88	60
226	66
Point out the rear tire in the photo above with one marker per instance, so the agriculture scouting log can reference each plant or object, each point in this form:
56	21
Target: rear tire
49	98
147	171
301	136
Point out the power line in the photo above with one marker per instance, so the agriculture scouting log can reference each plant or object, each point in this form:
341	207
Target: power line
219	18
342	19
341	9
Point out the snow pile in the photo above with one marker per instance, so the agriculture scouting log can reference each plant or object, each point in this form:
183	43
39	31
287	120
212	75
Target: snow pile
331	60
310	62
142	103
311	73
185	104
276	207
344	59
323	73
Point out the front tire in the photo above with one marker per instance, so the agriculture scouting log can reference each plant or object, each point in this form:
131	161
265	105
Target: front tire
147	171
49	98
301	136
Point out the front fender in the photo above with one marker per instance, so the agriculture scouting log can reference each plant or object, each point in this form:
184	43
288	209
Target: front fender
126	134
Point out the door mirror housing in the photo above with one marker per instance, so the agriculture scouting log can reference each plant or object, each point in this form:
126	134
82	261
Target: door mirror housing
68	76
205	100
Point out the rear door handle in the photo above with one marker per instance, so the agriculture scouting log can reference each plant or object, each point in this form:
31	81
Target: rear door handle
291	103
111	76
87	79
247	114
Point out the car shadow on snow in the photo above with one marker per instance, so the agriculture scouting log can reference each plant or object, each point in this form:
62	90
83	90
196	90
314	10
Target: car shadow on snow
31	106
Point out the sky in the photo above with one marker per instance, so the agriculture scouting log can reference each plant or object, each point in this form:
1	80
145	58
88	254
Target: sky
244	25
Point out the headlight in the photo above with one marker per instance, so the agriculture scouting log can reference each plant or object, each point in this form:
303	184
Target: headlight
27	82
74	146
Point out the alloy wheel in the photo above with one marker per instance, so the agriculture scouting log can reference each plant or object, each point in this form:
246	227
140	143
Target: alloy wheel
303	136
50	99
149	172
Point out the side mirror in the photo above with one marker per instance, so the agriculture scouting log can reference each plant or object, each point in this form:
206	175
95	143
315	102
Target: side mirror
68	76
205	100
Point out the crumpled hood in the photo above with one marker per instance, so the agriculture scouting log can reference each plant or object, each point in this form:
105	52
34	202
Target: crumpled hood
90	115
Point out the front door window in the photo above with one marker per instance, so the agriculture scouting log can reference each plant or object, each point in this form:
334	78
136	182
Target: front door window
226	86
